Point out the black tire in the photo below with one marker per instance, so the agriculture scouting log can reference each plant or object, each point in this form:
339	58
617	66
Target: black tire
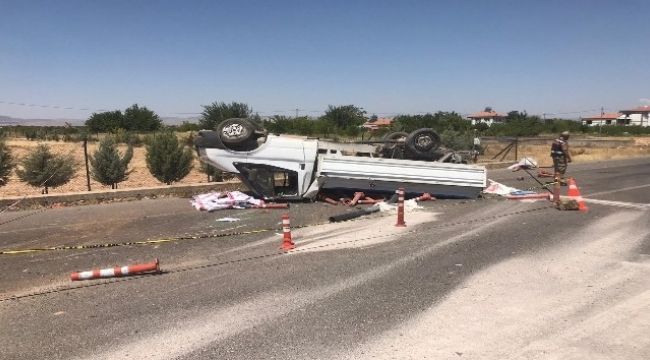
422	142
208	139
393	146
236	132
390	139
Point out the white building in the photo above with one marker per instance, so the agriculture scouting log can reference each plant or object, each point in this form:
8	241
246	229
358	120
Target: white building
636	116
487	116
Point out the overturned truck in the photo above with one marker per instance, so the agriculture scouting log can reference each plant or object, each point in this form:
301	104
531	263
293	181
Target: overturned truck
285	167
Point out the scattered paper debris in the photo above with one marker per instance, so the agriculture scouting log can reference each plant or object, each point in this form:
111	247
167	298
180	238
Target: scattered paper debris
224	200
499	189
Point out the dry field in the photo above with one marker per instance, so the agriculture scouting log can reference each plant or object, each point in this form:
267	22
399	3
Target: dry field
140	176
641	148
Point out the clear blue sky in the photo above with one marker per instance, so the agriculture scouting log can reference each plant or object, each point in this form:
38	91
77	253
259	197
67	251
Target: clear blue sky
385	56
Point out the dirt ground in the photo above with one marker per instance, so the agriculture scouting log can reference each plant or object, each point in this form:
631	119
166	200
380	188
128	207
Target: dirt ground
641	148
140	176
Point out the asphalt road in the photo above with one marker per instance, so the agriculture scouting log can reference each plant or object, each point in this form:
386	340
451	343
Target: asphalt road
479	279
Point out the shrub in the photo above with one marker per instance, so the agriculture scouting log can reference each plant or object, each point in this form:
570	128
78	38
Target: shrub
42	168
168	160
6	163
109	167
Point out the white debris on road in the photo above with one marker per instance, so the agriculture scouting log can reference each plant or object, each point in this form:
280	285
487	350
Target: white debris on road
224	200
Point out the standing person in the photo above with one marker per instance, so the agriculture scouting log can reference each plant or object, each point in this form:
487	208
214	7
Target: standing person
561	156
476	149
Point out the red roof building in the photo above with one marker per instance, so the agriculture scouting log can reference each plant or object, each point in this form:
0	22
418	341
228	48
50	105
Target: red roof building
601	119
378	123
487	116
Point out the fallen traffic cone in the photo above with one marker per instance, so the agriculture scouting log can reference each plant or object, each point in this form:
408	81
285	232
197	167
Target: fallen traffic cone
287	242
356	198
574	194
400	208
425	197
328	200
117	271
543	173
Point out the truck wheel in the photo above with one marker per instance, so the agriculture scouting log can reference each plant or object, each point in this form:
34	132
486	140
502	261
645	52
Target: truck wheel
422	141
208	139
393	146
391	139
236	131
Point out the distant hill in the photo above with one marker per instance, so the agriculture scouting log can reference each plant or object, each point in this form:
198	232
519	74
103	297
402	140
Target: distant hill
8	121
12	121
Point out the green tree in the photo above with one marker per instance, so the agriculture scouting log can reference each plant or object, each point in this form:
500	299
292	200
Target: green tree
217	112
42	168
108	121
168	159
109	167
6	163
138	118
345	117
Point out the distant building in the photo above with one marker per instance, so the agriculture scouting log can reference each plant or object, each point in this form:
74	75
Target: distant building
601	119
636	116
378	123
487	116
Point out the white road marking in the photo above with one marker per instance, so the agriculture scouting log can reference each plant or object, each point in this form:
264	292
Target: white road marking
619	190
638	206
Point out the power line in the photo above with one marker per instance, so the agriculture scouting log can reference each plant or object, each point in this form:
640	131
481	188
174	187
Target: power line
296	110
59	107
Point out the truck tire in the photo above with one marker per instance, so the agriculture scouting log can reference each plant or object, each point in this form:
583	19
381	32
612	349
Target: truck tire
208	139
393	137
422	142
235	131
393	146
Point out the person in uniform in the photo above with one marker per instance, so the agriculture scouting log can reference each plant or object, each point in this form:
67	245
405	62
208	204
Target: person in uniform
561	156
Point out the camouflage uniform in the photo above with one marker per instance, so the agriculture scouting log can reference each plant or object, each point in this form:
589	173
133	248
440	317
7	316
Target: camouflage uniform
561	156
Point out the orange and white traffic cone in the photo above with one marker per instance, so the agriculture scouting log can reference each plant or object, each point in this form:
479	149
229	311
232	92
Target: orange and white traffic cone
287	241
425	197
574	193
329	200
117	271
400	208
356	198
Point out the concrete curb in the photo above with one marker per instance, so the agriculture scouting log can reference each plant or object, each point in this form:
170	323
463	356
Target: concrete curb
95	197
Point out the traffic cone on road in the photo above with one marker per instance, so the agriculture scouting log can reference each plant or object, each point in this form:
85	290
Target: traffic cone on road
400	208
574	194
287	241
117	271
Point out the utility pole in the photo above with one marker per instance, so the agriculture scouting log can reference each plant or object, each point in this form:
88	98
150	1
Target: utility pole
86	161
